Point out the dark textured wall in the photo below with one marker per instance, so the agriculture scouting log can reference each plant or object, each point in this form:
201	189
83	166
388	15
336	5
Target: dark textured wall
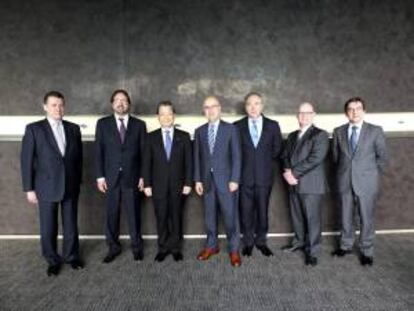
394	209
323	51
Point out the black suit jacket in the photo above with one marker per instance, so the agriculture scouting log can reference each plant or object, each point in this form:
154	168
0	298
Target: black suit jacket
44	169
259	164
112	156
163	175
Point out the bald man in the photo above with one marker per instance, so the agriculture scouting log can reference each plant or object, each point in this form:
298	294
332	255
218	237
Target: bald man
304	170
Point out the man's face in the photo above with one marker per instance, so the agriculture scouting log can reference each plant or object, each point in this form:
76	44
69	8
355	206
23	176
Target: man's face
254	106
166	116
54	107
212	109
305	115
120	104
355	112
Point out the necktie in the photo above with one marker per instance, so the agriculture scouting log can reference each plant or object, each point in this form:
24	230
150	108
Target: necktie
211	138
122	130
60	137
354	139
168	144
255	133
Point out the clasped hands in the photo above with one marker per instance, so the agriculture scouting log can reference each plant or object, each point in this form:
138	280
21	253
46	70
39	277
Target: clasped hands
290	178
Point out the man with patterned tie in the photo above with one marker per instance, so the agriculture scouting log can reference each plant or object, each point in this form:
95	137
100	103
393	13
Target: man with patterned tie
217	167
360	155
119	147
168	178
261	143
51	167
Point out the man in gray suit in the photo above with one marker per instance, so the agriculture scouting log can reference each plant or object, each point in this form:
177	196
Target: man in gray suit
217	169
304	164
360	154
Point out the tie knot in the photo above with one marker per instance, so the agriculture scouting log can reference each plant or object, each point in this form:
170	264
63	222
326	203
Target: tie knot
354	128
121	120
167	132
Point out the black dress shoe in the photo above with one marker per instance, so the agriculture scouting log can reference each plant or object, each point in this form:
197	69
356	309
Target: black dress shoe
291	248
311	260
265	250
111	256
160	256
178	256
53	270
341	252
77	264
139	256
247	251
366	260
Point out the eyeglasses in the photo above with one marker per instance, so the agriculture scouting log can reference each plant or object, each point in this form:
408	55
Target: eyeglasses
306	113
210	107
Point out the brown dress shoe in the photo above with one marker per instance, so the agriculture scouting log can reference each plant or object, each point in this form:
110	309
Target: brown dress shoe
235	259
206	253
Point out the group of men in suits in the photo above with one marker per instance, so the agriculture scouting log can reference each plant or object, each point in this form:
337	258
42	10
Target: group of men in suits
232	167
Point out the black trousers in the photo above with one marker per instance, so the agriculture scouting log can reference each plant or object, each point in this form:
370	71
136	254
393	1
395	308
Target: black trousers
48	215
129	199
168	214
254	203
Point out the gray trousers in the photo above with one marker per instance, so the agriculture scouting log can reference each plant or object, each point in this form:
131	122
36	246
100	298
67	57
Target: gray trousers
305	211
365	207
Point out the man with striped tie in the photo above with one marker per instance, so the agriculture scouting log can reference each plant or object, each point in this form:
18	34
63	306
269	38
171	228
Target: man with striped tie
168	178
217	168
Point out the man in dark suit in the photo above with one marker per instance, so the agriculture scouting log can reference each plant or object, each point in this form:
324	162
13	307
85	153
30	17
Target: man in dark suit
119	145
304	165
360	155
261	142
51	167
217	167
167	179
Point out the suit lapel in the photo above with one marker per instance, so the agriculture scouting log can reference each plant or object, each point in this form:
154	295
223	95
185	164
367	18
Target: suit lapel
128	129
361	137
160	144
68	136
263	133
50	136
175	140
343	139
114	129
300	142
219	135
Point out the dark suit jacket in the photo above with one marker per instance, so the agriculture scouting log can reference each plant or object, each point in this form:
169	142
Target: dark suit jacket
259	164
225	162
162	174
44	170
111	155
306	159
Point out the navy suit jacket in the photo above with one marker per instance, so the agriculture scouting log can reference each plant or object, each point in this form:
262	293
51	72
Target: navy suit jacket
225	162
259	164
44	170
112	156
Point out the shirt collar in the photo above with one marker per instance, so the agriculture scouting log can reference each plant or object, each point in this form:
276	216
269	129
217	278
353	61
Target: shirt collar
53	122
125	117
358	125
304	129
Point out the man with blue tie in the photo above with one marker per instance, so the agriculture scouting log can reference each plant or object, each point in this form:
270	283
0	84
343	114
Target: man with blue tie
217	168
168	178
360	155
261	142
51	167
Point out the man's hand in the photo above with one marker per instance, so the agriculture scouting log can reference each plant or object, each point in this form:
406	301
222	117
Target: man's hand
31	197
290	178
186	190
233	186
199	188
148	191
102	186
141	184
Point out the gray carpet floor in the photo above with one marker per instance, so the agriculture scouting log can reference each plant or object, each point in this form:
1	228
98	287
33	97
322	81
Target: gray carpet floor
281	282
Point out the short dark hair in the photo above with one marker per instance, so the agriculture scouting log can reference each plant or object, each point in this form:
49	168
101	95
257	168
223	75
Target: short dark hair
354	99
251	94
120	91
53	94
166	103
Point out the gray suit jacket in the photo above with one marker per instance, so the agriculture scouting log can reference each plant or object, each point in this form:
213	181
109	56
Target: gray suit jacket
359	171
306	159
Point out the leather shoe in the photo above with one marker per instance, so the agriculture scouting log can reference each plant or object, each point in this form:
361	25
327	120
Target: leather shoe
178	256
139	256
111	256
53	270
247	251
77	264
207	252
341	252
235	259
366	260
160	256
265	250
291	248
311	260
